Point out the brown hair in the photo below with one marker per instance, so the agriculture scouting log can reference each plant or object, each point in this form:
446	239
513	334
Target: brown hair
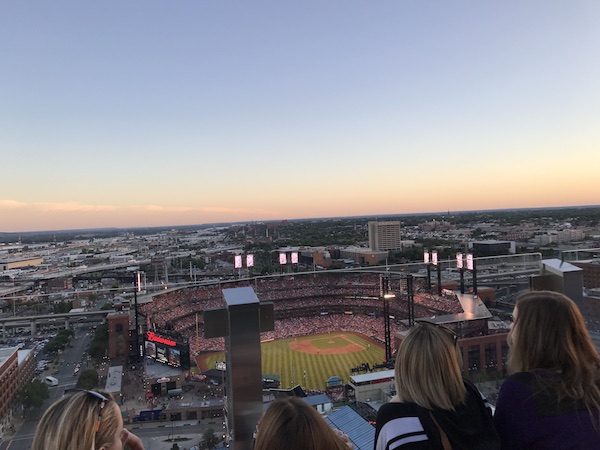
71	422
549	333
428	368
292	424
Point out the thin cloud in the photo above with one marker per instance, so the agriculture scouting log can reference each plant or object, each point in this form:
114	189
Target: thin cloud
77	207
56	207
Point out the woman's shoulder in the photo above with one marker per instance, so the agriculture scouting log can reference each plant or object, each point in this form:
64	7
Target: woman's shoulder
398	413
520	387
540	388
399	424
398	408
529	379
524	376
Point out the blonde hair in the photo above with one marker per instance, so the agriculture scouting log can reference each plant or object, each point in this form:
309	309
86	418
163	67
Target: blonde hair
292	424
71	422
549	333
428	368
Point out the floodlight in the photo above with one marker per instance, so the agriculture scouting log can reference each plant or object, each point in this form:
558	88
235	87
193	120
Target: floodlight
459	260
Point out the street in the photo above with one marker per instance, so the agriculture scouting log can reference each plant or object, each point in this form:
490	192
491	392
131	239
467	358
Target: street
23	436
154	435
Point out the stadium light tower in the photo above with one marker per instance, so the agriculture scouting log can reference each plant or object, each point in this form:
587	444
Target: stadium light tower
427	261
460	266
238	263
473	269
387	296
432	259
291	261
139	351
411	300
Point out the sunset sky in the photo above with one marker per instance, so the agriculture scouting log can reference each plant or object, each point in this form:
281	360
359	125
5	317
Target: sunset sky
118	113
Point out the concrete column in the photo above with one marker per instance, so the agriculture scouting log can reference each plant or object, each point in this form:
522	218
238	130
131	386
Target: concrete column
241	322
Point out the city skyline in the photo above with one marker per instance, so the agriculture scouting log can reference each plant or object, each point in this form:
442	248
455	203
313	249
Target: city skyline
117	115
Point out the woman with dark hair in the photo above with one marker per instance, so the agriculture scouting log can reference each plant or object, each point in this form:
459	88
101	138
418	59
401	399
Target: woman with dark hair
84	420
551	400
292	424
434	407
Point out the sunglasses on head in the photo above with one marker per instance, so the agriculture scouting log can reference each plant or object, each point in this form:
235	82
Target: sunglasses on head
97	395
446	330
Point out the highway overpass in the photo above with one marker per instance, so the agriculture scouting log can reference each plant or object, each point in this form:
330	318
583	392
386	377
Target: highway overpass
68	319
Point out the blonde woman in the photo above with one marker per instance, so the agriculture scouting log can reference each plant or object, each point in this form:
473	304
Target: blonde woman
292	424
551	400
84	420
434	408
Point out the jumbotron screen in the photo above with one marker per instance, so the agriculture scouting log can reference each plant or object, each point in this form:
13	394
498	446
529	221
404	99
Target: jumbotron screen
167	351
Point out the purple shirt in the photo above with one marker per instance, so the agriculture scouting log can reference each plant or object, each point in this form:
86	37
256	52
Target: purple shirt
528	416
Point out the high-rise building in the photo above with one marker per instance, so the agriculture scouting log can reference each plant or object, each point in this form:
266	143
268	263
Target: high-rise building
384	235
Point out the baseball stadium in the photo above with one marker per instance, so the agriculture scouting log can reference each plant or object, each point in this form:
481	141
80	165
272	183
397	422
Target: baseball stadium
328	326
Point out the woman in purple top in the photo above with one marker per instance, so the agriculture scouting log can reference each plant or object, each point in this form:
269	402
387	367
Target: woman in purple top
551	400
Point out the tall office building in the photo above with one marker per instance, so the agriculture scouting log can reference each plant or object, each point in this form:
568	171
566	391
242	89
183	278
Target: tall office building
384	235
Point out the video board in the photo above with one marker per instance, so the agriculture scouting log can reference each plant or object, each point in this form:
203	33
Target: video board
167	351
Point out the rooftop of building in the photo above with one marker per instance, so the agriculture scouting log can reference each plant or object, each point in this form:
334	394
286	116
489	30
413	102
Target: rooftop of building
372	376
23	354
360	432
114	379
6	353
560	265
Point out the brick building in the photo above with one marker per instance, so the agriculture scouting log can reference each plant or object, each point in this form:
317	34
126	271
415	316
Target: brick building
591	273
16	370
121	336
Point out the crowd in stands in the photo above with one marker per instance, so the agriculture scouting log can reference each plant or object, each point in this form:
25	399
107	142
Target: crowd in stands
303	305
442	304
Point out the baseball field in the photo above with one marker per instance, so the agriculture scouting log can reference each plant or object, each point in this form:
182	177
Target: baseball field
310	360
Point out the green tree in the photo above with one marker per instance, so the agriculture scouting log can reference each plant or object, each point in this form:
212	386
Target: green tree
477	232
209	439
88	379
97	350
93	298
337	265
58	342
34	394
63	307
99	343
185	262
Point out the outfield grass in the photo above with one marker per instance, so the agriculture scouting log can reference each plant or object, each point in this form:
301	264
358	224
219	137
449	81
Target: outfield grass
279	358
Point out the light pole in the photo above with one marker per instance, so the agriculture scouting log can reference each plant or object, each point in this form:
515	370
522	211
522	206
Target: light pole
411	300
459	265
138	350
432	259
387	295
